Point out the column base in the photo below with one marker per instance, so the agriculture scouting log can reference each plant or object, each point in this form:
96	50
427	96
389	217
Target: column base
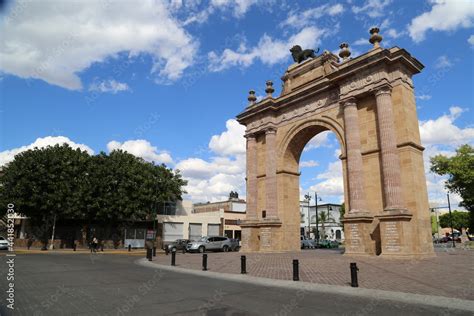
397	240
357	230
261	235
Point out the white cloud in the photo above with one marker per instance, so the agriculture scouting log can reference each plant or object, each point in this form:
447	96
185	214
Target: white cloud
308	17
331	181
470	40
445	15
361	41
424	97
308	164
320	140
56	41
238	7
393	33
268	50
443	131
230	142
441	137
373	8
143	149
213	179
443	62
111	86
197	14
8	155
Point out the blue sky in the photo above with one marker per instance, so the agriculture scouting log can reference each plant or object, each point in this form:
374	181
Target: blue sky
165	79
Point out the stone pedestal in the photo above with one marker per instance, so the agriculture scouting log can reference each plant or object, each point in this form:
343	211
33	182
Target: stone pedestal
261	235
396	235
357	230
249	241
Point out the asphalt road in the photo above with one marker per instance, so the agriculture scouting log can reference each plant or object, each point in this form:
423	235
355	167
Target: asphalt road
81	284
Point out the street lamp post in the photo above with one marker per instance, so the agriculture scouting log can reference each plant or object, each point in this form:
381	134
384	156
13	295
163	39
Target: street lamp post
308	199
317	219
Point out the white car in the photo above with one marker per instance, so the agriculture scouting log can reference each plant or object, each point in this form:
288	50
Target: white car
306	243
3	243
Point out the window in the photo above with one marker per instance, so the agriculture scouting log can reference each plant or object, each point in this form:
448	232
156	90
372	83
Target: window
166	208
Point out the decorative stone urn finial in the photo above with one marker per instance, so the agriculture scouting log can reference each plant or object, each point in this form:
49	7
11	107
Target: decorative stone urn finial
375	37
344	53
269	89
252	98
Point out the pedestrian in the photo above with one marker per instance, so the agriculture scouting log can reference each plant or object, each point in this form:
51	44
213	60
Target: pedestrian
95	242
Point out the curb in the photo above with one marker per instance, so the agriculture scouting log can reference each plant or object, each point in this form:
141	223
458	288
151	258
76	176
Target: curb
51	252
408	298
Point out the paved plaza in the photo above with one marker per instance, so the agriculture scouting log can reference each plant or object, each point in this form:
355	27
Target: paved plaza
96	284
449	274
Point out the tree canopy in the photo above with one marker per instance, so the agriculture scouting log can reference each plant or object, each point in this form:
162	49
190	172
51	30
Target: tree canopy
71	184
460	220
460	171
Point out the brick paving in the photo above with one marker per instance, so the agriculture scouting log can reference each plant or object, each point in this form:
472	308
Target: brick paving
449	274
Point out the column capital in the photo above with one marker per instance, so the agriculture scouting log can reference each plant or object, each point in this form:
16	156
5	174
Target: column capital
384	89
270	130
352	101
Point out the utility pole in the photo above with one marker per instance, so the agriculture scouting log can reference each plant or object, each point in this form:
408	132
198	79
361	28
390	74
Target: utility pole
317	219
451	221
308	199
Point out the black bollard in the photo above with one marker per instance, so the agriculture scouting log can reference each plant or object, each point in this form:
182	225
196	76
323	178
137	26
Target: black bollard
296	272
204	262
173	258
243	264
354	269
129	248
154	251
167	250
74	247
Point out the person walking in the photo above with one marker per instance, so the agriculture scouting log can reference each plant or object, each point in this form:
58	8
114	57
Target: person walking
95	242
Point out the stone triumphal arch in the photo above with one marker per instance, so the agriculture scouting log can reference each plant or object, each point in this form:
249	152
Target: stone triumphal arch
369	103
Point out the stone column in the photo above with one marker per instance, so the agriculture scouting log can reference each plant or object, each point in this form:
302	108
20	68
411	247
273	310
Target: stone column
355	172
392	183
251	177
270	174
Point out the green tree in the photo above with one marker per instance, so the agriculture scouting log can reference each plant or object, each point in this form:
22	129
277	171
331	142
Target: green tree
460	220
434	225
460	172
323	218
63	183
342	211
45	184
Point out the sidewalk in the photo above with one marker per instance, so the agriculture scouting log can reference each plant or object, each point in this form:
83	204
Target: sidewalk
137	252
449	274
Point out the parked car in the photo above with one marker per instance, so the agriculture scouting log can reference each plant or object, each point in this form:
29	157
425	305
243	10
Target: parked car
213	243
178	244
328	244
306	243
3	243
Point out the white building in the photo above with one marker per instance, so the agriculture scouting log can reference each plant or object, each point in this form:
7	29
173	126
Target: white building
333	228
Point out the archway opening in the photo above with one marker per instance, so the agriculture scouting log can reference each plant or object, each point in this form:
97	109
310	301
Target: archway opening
315	152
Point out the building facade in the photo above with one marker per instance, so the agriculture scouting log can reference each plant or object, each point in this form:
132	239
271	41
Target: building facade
331	228
233	210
